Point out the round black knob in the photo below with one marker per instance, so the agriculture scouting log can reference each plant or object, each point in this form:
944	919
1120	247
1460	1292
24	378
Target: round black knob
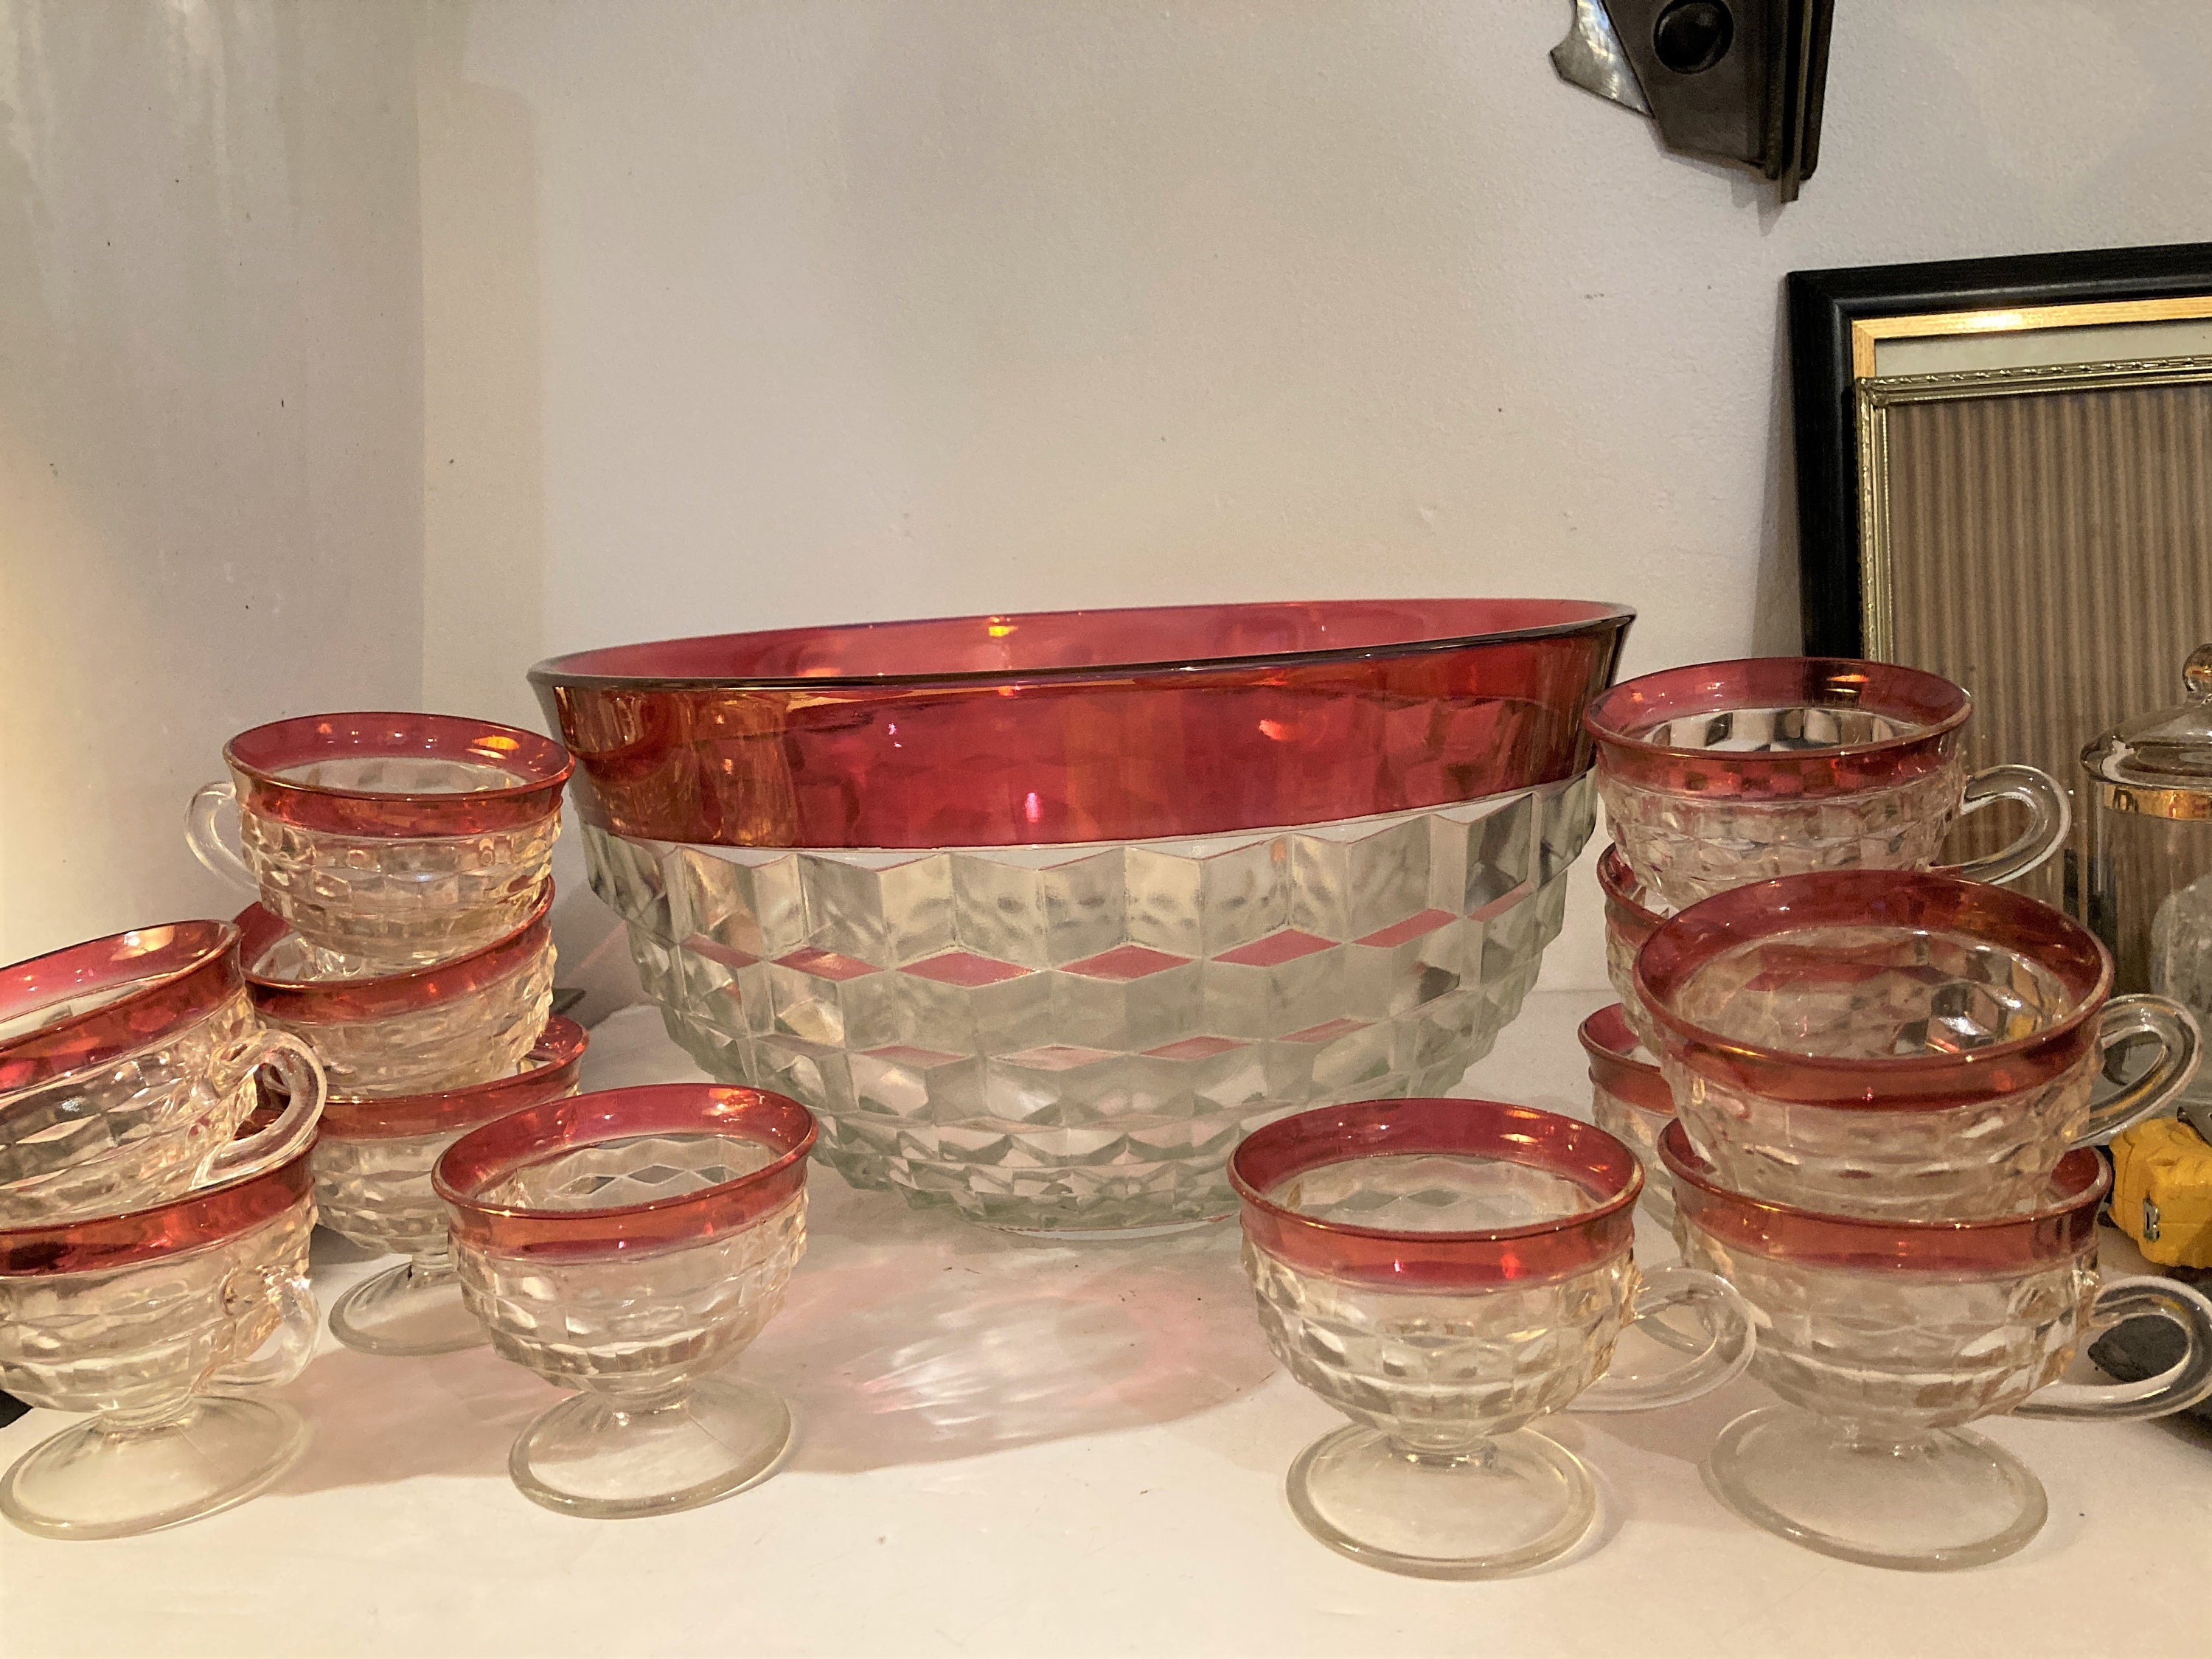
1693	35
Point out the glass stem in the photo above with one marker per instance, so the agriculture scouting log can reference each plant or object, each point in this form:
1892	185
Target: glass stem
143	1419
1477	1451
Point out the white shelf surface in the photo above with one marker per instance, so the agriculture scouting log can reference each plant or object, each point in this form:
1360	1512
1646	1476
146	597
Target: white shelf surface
1022	1449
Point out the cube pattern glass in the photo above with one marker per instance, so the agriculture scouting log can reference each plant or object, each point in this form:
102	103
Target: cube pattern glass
1886	992
399	901
1440	1369
1898	1349
372	1162
139	1338
1629	1098
1076	1036
1687	847
1631	917
633	1324
442	1042
134	1128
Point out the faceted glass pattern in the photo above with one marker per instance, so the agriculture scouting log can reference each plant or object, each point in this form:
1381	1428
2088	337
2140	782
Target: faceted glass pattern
1076	1036
1442	1371
1686	847
141	1338
377	1192
1900	1352
634	1324
1885	991
1640	1128
395	902
136	1129
449	1043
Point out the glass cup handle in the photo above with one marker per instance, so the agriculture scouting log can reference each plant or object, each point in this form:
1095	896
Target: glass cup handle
2181	1045
2176	1388
207	842
284	1353
2051	819
1726	1352
301	1074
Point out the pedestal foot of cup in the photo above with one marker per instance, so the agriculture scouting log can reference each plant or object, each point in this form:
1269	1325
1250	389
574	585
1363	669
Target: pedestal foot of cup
1510	1504
1944	1500
404	1312
593	1456
93	1480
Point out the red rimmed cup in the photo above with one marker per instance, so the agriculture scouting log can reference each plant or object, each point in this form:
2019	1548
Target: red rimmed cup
398	839
153	1321
417	1030
1894	1043
1629	1098
1725	773
629	1245
373	1162
1631	915
1444	1273
127	1066
1886	1338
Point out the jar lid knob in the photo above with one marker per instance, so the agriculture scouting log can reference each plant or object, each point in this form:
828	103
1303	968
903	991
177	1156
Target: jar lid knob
2197	674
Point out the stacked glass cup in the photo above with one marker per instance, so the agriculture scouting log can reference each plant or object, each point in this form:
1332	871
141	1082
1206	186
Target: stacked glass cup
1882	1080
153	1239
401	864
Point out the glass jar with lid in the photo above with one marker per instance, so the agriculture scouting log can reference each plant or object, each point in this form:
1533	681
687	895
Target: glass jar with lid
2149	888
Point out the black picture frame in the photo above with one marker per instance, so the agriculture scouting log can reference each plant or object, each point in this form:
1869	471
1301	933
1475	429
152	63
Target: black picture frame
1822	306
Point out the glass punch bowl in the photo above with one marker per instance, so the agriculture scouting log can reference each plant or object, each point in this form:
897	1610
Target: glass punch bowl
1041	913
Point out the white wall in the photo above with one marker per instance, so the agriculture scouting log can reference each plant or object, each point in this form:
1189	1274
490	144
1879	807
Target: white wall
210	410
358	353
865	310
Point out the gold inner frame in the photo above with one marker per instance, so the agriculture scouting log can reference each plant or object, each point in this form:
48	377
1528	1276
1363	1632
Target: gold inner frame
1877	396
1869	331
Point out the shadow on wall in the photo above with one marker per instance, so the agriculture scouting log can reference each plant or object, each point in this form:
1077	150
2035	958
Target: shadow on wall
210	442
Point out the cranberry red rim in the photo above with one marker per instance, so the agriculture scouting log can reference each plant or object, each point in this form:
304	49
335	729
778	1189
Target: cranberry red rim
2053	1231
182	971
600	668
1623	901
1688	941
198	1219
539	766
1611	1045
1108	726
1933	707
1601	1166
536	1134
548	1073
325	1001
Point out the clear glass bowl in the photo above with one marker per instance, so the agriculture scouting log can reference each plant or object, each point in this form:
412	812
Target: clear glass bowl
1445	1272
1041	913
155	1322
399	839
629	1245
1886	1338
373	1162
